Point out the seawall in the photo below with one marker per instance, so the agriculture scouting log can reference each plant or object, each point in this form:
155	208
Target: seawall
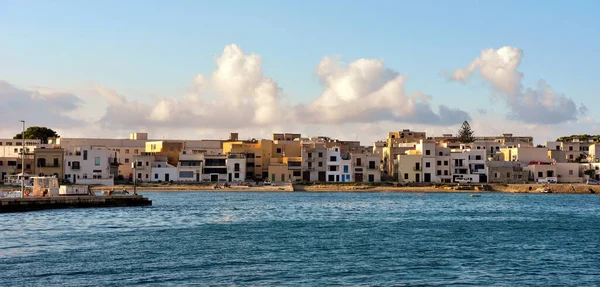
57	202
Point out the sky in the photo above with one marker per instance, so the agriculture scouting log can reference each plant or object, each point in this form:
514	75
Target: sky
352	70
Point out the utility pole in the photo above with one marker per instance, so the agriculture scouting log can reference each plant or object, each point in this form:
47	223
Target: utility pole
133	165
23	161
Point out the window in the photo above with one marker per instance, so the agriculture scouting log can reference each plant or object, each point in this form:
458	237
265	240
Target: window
273	177
310	155
439	162
406	176
441	153
427	152
570	156
135	151
439	172
309	164
371	178
446	162
97	161
282	177
570	172
146	176
16	150
331	178
126	150
371	165
477	157
186	174
147	163
156	176
320	154
445	172
139	175
55	162
236	167
320	164
126	160
540	174
345	169
333	168
85	155
8	143
332	158
278	150
1	163
236	175
427	164
496	175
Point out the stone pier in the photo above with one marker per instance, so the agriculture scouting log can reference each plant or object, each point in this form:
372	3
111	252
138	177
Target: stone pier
56	202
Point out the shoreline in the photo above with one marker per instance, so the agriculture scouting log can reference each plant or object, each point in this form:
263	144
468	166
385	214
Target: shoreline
354	187
434	188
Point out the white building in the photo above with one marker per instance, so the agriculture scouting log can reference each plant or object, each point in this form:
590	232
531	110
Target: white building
468	164
190	166
215	168
333	159
236	168
90	165
162	171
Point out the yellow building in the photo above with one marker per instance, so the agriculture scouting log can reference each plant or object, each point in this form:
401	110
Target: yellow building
49	161
259	154
170	149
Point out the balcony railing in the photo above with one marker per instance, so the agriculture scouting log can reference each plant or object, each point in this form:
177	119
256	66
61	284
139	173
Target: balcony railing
48	165
75	167
416	168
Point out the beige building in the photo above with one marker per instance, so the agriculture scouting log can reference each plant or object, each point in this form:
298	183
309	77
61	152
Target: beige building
409	167
569	173
365	166
541	171
525	155
506	172
397	143
48	161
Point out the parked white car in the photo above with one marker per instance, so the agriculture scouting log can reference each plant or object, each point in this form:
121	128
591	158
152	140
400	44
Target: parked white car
593	182
463	180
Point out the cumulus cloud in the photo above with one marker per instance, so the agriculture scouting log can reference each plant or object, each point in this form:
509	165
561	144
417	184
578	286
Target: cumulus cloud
236	94
365	91
39	106
540	105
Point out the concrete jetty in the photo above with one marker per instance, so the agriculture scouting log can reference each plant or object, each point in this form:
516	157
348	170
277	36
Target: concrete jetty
56	202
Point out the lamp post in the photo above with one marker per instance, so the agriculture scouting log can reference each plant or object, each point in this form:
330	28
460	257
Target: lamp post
23	161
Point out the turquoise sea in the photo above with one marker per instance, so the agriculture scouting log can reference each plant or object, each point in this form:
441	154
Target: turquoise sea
309	239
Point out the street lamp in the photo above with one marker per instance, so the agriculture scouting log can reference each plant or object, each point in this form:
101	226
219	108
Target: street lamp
23	161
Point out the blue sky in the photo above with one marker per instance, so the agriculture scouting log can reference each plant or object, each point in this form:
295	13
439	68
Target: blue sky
151	49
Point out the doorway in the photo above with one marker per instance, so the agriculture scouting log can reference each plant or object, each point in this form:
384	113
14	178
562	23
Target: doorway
166	177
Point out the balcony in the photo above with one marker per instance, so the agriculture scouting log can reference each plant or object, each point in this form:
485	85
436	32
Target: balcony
417	168
75	167
48	165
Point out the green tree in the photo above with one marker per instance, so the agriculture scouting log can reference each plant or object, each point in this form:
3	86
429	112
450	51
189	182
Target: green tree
465	134
41	133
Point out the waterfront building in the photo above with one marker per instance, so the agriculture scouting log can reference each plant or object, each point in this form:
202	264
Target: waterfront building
236	167
544	171
162	170
569	172
506	172
215	168
90	165
10	156
366	166
313	162
48	161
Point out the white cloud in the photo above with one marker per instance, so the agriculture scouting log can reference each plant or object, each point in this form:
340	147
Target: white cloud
540	105
236	94
40	106
366	91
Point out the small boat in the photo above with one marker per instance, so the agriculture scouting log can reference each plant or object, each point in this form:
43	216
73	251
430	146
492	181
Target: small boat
475	195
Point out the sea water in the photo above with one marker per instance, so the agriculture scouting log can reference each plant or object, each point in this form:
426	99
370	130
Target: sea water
309	239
